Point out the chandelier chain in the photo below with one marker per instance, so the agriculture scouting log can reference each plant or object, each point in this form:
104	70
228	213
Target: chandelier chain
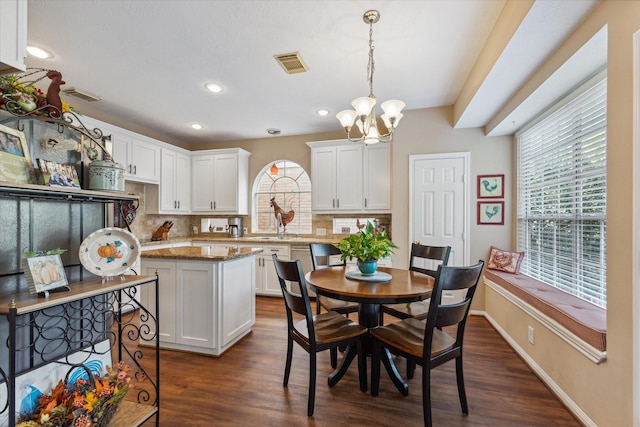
371	66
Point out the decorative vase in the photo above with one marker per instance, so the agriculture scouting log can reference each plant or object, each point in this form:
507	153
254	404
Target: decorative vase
367	268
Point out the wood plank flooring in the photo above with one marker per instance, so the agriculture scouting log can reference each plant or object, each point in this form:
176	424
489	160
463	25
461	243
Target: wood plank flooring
244	386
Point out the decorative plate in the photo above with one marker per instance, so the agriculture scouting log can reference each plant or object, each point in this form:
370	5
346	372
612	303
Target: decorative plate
109	252
378	276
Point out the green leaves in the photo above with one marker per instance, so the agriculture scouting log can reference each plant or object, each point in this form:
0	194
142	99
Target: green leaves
31	254
367	245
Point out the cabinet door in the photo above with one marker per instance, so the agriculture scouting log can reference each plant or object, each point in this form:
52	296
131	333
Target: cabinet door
195	299
271	284
202	184
145	158
323	179
237	298
377	177
13	35
349	190
168	171
167	299
183	182
121	151
225	171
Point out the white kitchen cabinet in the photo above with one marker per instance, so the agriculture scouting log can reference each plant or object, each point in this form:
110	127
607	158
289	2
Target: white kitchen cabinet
13	35
350	177
167	308
139	156
267	282
173	193
220	181
205	306
377	177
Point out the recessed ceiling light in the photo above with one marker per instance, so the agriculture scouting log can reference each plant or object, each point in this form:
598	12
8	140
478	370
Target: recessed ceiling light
214	87
273	131
322	112
196	126
39	52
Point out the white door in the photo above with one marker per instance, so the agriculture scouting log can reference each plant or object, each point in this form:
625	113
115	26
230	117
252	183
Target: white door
225	172
440	211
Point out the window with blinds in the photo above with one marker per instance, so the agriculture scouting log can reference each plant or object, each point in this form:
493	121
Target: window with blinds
562	197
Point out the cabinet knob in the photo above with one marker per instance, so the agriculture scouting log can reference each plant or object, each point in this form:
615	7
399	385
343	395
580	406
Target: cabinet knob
130	169
135	169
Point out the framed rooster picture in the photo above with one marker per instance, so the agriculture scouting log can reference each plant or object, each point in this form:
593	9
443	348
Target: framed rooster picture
490	186
491	213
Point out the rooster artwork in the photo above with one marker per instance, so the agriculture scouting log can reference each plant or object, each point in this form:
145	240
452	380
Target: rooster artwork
282	218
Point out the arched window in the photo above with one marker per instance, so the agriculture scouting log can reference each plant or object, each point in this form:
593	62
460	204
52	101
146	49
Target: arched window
290	185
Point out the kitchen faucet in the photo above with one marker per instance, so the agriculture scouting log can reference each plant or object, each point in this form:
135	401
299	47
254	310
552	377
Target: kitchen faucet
278	224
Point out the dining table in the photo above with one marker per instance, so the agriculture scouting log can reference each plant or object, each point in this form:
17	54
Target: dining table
386	286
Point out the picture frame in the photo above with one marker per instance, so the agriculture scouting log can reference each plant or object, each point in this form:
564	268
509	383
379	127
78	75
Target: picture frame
58	175
44	273
491	213
491	186
15	160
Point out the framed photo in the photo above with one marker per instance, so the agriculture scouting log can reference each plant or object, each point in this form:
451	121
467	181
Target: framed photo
59	175
490	186
44	273
491	213
15	161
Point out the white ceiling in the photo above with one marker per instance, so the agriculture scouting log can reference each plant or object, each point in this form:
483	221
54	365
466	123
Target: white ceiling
149	60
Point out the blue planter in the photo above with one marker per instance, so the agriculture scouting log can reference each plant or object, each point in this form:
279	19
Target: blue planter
367	268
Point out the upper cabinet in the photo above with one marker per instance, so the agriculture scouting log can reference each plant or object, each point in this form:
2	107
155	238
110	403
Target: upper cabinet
13	35
173	193
139	156
350	177
220	181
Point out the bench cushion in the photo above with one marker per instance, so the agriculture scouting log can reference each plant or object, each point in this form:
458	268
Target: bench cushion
585	320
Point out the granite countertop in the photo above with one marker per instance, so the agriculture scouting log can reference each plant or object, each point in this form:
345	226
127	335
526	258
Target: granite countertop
204	253
216	238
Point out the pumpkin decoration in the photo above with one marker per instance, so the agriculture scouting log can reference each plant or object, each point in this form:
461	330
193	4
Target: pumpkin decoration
110	251
45	273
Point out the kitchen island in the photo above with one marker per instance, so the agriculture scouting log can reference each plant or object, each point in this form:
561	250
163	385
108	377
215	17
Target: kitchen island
206	300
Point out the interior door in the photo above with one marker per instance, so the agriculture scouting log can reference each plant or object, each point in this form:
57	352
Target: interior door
440	213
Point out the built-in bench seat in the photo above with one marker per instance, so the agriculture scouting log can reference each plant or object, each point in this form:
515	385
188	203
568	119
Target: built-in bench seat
587	321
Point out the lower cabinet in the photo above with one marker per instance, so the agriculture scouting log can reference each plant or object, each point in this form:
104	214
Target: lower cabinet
267	282
204	306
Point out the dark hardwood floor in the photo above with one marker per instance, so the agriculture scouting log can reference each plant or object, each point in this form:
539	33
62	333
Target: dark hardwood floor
244	386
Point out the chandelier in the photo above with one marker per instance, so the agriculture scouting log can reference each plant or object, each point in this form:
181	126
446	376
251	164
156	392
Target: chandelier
364	114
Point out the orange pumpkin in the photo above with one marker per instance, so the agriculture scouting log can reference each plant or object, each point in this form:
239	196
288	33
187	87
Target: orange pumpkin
107	251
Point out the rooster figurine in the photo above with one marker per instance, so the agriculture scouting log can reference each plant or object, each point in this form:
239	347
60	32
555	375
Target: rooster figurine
285	217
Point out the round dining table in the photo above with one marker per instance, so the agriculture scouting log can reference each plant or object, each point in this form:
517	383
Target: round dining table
388	286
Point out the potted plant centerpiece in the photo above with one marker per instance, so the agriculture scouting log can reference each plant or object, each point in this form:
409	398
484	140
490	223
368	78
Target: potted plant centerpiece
367	246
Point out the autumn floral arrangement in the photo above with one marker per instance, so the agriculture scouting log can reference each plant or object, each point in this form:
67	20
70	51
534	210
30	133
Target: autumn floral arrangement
86	403
19	94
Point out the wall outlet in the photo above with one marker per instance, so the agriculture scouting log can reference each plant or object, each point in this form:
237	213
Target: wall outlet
321	231
531	335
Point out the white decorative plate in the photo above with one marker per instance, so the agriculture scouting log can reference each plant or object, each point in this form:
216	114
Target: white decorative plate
109	251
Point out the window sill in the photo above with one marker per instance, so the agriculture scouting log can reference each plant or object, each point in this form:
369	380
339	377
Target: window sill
580	324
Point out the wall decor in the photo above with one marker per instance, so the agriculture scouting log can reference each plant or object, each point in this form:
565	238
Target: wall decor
44	273
491	213
15	161
490	186
59	175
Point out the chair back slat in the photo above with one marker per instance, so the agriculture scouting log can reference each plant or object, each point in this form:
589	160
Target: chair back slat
321	254
436	254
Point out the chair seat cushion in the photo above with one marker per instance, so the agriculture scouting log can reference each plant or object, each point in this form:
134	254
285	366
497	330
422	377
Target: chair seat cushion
408	336
338	305
418	309
331	327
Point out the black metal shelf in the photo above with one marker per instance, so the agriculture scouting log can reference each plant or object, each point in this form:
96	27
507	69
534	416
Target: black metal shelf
9	189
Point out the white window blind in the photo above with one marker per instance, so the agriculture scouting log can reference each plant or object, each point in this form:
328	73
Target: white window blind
562	204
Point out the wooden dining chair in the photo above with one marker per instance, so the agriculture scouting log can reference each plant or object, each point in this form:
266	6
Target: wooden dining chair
419	309
428	344
314	333
321	254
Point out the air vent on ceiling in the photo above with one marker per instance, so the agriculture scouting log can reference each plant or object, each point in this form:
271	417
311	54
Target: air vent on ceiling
292	62
86	96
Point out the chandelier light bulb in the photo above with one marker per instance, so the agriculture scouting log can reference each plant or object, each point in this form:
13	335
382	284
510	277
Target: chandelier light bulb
346	118
363	105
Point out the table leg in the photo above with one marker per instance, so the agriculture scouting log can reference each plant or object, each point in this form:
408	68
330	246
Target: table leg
349	353
369	317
